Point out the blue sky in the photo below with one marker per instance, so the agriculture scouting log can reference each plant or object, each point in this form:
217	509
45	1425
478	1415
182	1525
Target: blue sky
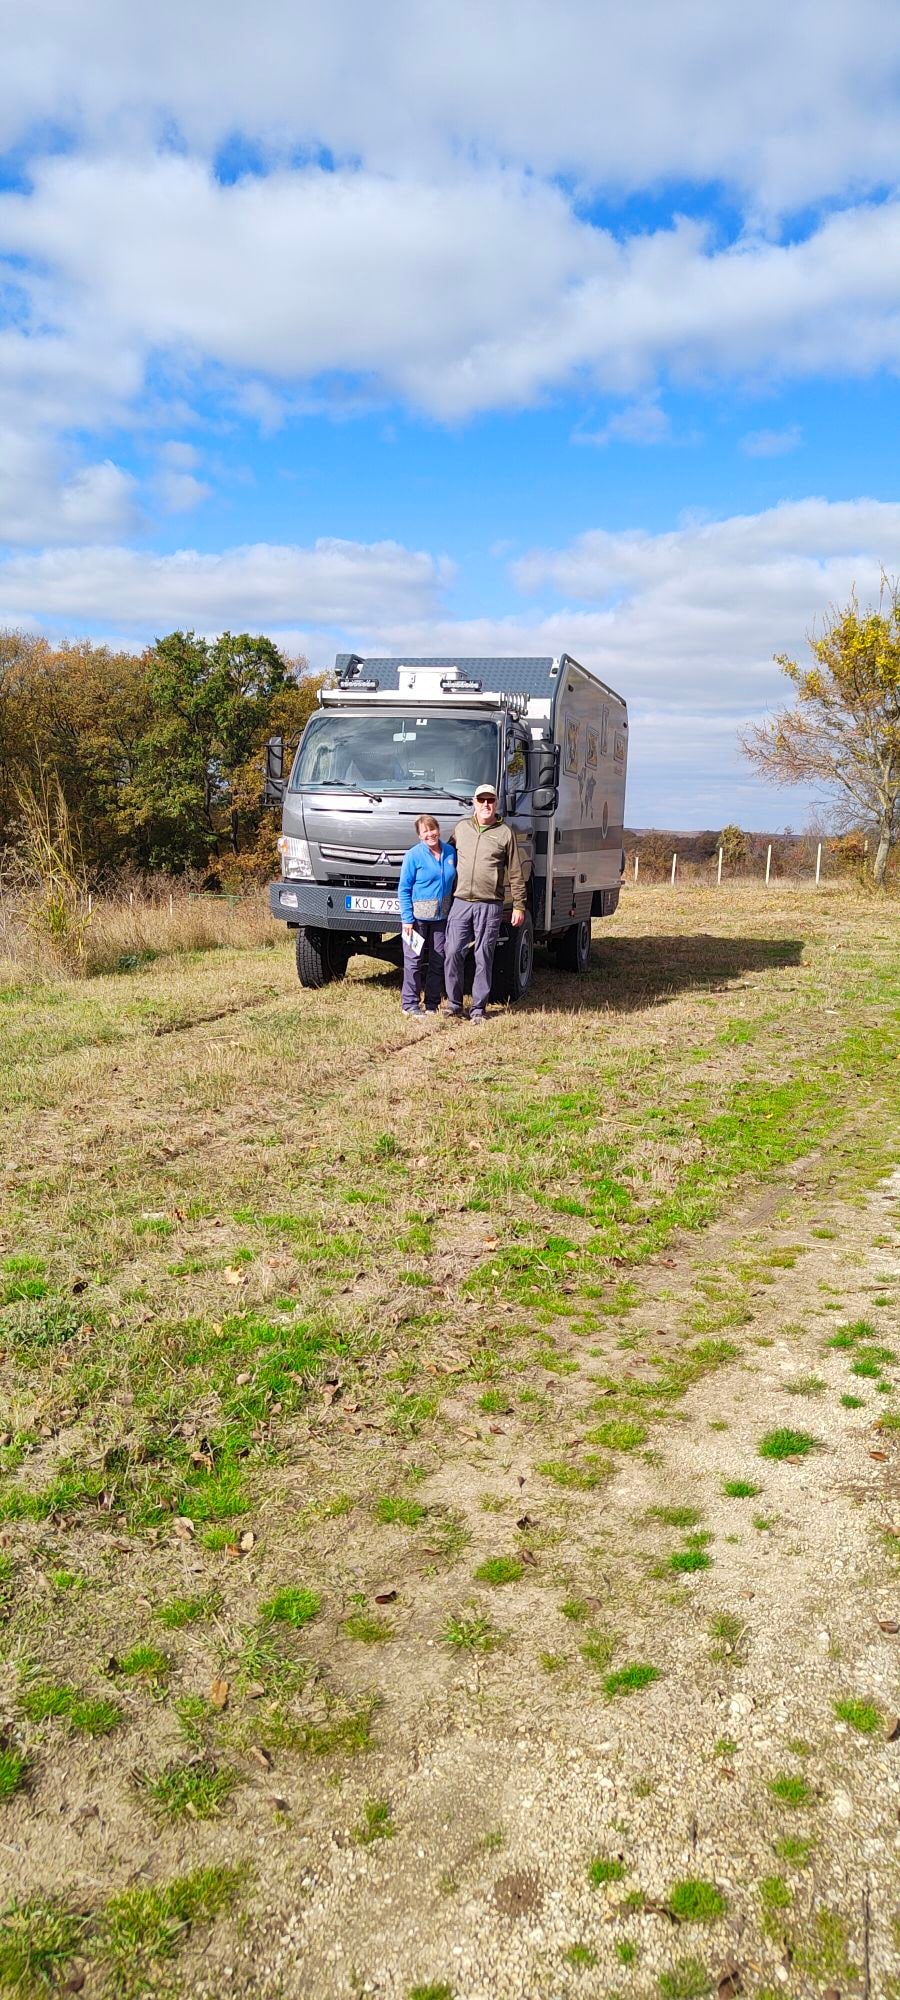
459	330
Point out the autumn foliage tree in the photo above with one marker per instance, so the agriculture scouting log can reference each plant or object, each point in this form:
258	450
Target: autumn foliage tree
843	733
158	756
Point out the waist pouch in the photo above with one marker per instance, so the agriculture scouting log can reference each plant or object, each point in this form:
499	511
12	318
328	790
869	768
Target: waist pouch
428	908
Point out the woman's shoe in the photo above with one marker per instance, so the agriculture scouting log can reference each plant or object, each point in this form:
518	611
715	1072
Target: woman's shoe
412	1013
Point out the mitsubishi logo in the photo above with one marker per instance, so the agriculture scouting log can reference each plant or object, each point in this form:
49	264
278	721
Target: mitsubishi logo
381	857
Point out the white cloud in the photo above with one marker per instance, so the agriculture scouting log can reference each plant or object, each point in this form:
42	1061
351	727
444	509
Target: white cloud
685	624
483	290
42	498
787	104
772	444
643	423
262	586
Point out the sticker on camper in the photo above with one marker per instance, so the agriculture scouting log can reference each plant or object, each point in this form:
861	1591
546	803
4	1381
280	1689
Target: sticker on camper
604	731
571	745
619	748
590	746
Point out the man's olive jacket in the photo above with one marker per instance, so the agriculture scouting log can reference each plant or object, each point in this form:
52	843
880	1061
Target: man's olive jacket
486	855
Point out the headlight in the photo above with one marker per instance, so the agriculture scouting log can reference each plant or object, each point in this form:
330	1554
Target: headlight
295	859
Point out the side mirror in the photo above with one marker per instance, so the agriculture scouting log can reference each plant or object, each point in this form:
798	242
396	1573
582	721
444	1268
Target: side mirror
545	799
274	783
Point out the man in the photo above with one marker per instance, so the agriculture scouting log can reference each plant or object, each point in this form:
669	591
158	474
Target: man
487	855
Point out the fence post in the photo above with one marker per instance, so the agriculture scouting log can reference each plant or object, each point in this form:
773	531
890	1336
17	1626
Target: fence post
768	862
171	903
818	863
636	859
719	874
674	867
90	904
131	899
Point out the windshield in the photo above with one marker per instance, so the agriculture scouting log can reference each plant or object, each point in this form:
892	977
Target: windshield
389	753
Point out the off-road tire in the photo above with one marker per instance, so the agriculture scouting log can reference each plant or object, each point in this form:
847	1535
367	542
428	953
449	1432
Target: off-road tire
514	962
321	957
573	949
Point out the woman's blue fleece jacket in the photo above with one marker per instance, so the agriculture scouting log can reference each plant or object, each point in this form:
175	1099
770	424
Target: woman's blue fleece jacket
425	875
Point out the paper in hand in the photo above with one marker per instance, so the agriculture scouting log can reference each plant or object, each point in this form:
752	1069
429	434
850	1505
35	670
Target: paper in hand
416	942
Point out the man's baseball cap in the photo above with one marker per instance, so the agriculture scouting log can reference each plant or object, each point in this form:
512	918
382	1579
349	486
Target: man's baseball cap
484	792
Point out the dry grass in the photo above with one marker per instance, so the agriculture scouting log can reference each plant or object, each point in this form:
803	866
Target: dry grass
116	933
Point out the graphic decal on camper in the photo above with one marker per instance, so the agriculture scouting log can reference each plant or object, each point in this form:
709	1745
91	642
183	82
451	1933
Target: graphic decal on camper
571	745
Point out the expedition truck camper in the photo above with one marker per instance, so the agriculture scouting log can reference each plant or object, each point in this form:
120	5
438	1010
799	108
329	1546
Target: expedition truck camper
393	739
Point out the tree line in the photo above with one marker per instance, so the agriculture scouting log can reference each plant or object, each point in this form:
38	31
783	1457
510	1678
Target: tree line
158	755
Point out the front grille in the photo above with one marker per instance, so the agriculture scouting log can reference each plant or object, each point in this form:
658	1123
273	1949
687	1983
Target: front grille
366	857
387	883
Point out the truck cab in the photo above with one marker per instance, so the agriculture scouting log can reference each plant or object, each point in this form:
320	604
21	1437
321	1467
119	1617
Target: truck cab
396	739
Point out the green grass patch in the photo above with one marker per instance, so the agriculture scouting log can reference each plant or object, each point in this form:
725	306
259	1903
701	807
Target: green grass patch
788	1790
470	1632
581	1478
376	1823
497	1570
49	1701
39	1938
392	1508
367	1628
291	1606
618	1435
695	1901
12	1770
605	1869
740	1489
861	1715
145	1663
189	1791
787	1444
141	1929
181	1611
630	1679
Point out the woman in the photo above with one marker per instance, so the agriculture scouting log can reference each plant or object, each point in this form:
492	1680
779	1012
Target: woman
426	892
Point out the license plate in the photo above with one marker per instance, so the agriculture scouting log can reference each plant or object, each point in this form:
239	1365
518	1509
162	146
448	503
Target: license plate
374	906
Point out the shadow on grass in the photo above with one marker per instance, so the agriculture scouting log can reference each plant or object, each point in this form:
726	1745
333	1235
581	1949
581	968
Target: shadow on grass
628	974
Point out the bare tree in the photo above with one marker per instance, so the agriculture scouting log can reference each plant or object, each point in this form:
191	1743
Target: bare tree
843	733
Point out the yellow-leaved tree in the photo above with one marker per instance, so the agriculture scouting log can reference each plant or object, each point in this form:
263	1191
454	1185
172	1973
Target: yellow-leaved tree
843	733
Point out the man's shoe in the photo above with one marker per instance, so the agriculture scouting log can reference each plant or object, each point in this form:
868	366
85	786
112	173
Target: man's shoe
478	1020
412	1013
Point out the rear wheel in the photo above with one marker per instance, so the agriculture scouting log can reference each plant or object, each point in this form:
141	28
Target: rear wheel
513	963
321	957
574	948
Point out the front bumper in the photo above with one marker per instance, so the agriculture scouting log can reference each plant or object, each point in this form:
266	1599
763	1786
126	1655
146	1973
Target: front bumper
320	906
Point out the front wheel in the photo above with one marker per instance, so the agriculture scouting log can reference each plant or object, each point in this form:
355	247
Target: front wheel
574	948
321	957
513	963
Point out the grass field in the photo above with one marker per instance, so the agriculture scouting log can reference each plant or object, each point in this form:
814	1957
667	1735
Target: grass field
450	1479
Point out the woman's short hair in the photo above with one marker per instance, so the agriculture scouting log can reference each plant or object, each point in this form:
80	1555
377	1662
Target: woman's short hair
427	819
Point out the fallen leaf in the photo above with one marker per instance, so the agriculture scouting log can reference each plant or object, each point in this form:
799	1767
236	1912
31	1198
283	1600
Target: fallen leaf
525	1521
889	1625
233	1276
261	1757
218	1694
385	1596
183	1527
730	1983
255	1690
892	1729
278	1805
75	1982
497	1430
85	1813
528	1556
878	1454
246	1541
80	1285
490	1243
